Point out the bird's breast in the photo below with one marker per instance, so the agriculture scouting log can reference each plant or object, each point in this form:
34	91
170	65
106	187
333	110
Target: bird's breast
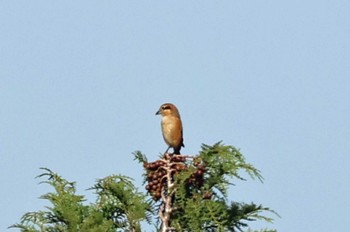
172	130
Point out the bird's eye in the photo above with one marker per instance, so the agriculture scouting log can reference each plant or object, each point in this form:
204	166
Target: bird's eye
166	107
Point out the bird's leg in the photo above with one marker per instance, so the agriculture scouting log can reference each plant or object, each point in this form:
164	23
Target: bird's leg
167	150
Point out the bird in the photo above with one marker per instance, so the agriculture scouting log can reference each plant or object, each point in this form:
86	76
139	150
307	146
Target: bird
171	127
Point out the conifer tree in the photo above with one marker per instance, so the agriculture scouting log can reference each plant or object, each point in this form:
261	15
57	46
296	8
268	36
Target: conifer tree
183	193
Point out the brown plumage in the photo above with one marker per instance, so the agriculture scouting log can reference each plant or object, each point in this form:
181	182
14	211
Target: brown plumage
171	127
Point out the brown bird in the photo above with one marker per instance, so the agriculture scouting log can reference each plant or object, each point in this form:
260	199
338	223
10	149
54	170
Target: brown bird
171	127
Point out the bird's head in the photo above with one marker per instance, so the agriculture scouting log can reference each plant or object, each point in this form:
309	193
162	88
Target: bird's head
168	109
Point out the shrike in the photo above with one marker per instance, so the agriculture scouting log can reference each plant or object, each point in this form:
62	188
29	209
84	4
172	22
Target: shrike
171	127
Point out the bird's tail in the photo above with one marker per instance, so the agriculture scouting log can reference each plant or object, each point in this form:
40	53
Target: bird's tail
177	149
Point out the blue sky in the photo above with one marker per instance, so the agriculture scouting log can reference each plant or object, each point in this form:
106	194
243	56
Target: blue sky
80	83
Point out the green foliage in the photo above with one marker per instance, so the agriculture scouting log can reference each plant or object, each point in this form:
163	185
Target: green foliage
119	207
120	203
223	164
195	212
199	199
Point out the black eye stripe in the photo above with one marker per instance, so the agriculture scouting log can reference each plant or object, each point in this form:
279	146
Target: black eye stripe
165	107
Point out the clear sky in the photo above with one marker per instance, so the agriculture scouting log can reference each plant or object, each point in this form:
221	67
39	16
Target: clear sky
80	82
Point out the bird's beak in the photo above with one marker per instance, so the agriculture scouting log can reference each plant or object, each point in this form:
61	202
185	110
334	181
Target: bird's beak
158	112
